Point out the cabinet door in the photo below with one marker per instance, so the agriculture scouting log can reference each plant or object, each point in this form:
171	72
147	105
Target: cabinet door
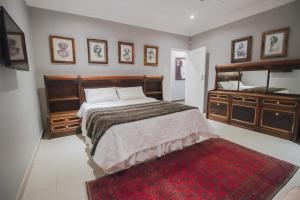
278	120
218	109
243	115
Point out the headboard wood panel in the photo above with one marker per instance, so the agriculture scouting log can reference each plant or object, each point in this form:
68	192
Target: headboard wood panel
62	91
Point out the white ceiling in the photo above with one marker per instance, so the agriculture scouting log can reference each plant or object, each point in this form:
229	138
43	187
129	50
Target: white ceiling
164	15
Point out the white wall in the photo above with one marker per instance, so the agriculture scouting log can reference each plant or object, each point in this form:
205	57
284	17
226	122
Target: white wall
177	86
45	22
218	41
20	124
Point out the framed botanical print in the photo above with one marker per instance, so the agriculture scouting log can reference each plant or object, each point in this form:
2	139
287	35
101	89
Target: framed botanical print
150	55
179	68
275	43
97	51
241	49
17	47
62	49
126	52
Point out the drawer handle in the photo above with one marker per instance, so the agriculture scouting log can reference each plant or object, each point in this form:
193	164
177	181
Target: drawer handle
218	104
67	126
277	114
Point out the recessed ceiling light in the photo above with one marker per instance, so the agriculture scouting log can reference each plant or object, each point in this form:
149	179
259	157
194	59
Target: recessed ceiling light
192	16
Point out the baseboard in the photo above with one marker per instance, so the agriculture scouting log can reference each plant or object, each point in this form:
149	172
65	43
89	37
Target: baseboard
24	182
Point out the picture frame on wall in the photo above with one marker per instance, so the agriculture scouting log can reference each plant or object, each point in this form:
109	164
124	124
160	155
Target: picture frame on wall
275	43
241	49
126	52
179	68
150	55
97	51
62	49
17	47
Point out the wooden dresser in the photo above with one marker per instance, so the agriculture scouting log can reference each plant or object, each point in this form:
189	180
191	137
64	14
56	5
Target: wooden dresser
270	114
262	110
65	94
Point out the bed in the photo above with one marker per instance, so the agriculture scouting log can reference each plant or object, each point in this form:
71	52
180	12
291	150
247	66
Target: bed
127	144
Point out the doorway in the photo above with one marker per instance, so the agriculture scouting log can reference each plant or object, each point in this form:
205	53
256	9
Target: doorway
188	73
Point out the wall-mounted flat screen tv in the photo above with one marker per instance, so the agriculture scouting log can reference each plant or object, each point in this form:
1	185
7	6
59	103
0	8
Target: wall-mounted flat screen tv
12	43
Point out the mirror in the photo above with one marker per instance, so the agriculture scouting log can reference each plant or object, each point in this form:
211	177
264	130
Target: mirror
253	81
227	81
285	82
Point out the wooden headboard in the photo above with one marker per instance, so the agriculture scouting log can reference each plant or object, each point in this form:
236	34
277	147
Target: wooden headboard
66	93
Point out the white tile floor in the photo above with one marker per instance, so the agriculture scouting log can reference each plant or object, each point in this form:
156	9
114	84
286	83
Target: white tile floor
62	165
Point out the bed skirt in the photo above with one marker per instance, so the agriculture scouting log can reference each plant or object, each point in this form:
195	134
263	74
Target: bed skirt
151	153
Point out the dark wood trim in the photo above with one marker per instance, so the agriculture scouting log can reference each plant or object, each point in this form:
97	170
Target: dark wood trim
89	53
285	43
145	55
275	65
268	81
249	50
51	37
120	43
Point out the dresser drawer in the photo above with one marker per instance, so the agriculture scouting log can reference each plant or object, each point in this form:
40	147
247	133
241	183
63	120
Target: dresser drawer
218	108
219	97
277	120
283	103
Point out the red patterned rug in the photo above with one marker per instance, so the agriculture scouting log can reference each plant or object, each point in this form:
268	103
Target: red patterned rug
213	169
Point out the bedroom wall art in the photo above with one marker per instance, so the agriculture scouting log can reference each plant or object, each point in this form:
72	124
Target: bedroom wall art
275	43
62	49
97	51
126	52
150	55
241	50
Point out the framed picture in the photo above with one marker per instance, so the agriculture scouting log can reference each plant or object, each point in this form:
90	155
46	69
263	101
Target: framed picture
179	68
62	50
241	50
150	55
17	47
275	43
126	52
97	51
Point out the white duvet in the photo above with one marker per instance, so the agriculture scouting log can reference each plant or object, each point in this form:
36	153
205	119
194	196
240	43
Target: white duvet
126	144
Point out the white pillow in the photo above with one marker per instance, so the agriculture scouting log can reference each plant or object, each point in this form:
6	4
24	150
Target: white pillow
226	85
97	95
234	85
129	93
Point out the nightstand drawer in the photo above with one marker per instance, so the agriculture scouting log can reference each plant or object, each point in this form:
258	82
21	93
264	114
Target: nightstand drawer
64	119
64	127
61	122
